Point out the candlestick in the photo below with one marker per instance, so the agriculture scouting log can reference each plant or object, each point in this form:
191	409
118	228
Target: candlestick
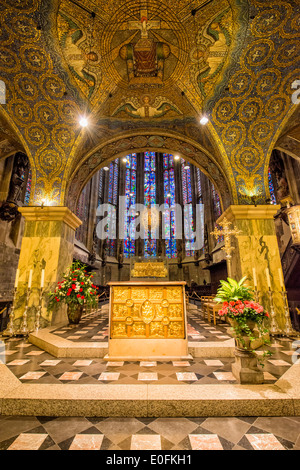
39	311
10	331
30	279
17	278
281	278
274	330
254	277
23	331
42	278
268	278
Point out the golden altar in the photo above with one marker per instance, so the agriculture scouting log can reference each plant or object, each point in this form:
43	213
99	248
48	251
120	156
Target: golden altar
147	320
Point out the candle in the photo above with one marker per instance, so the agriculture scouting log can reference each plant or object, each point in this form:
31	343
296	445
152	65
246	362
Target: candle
30	279
268	278
254	277
281	278
42	278
17	278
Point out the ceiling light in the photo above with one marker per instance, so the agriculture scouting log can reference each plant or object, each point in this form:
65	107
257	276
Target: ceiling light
105	168
83	122
177	157
203	120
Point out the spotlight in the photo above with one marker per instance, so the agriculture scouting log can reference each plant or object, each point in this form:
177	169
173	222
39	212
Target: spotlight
83	122
176	157
204	120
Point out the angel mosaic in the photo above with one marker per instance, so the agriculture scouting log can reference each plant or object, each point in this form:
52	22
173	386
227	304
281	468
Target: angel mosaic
144	107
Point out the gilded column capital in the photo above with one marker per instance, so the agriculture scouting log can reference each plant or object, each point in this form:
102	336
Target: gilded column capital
249	212
51	213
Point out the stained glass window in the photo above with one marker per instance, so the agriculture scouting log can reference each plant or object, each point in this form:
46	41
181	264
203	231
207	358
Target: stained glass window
217	209
199	187
187	208
150	246
271	188
113	200
130	202
169	202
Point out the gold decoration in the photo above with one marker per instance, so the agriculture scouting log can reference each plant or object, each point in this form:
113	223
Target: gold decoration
138	311
149	269
227	233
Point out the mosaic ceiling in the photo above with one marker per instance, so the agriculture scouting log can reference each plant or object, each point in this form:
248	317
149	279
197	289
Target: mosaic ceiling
144	72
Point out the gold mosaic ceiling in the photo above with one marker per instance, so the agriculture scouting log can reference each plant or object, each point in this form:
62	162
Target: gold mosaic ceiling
142	67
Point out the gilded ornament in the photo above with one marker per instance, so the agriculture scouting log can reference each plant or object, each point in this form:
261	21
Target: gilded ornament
224	111
35	58
52	86
9	61
36	135
241	83
27	86
147	312
45	113
251	110
21	111
258	53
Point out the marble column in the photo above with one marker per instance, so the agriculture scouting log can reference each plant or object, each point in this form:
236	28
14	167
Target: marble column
48	243
257	247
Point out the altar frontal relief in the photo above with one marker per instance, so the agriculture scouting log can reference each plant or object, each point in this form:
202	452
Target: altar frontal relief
147	320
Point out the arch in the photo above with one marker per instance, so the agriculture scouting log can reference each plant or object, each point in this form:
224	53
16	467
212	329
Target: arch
138	143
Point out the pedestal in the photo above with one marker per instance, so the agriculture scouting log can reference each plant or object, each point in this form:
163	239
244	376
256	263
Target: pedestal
48	243
147	321
245	368
257	247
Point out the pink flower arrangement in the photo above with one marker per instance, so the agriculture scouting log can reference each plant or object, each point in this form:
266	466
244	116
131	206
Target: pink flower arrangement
247	308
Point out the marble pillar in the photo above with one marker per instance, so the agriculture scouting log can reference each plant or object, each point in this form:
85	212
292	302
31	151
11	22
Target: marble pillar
257	247
48	243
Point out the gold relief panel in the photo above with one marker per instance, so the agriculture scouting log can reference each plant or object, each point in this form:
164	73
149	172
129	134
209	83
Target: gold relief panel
174	293
176	330
139	293
156	293
176	311
147	312
119	311
119	329
120	293
139	329
157	329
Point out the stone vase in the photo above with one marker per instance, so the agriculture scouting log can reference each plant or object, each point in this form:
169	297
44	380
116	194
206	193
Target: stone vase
74	313
245	368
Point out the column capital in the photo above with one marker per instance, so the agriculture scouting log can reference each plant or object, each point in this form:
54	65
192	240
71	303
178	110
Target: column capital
51	213
249	212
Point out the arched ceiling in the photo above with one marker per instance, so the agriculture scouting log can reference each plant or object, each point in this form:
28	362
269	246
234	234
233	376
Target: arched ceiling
141	66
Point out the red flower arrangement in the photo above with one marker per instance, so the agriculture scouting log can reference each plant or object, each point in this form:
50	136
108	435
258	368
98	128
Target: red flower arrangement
242	311
76	287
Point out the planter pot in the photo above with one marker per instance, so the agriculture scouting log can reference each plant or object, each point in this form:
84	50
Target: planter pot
74	313
244	342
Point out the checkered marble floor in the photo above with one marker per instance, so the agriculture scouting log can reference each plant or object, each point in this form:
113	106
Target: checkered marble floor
94	328
116	434
33	365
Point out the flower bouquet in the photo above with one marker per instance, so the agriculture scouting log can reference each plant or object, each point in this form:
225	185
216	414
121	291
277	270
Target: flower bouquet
244	314
76	290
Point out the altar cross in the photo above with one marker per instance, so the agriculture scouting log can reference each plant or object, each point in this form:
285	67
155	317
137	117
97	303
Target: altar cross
144	24
227	233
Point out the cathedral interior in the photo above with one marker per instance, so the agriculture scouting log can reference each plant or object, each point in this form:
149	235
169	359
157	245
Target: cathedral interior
179	121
